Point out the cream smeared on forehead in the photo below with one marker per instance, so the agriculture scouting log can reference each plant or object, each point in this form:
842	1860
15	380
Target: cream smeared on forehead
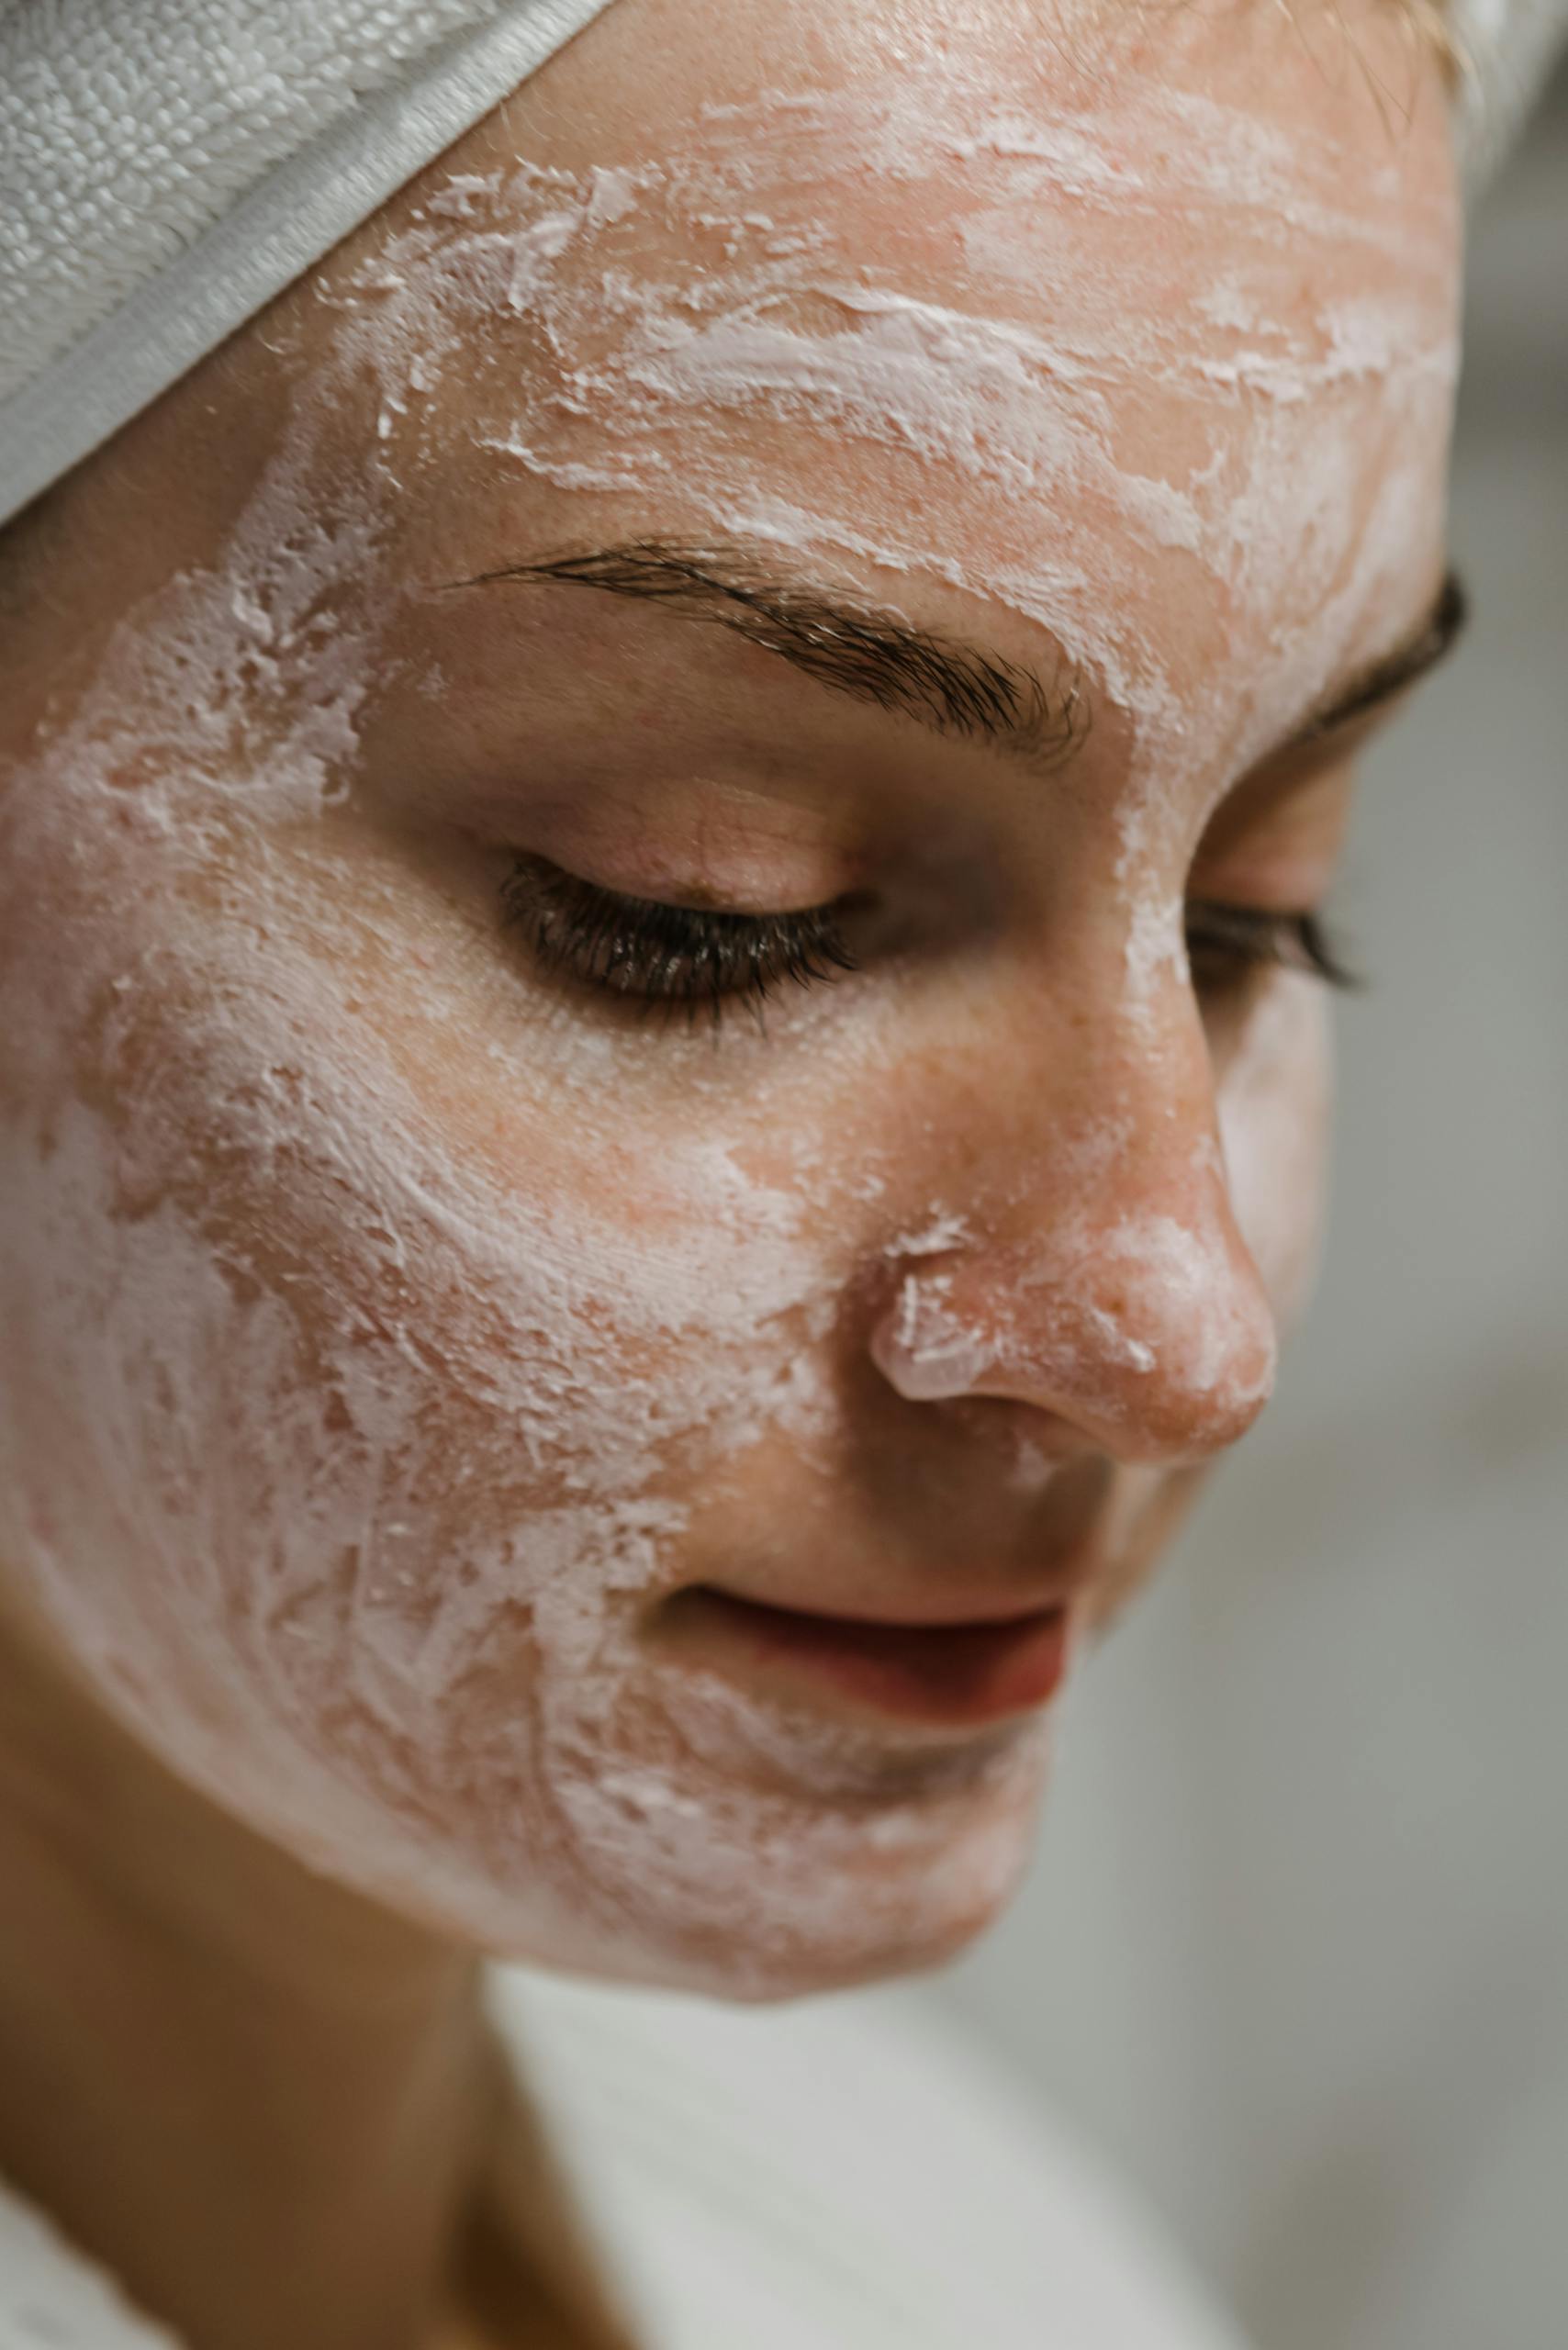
907	325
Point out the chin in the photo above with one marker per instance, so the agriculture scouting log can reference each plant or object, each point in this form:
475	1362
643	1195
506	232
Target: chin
768	1962
755	1898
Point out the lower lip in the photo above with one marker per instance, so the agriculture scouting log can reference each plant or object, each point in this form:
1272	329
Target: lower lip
952	1675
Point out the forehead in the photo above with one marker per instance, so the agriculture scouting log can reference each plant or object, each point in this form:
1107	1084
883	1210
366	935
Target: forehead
1136	328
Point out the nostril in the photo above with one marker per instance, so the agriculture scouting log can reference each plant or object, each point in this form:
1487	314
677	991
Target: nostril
926	1348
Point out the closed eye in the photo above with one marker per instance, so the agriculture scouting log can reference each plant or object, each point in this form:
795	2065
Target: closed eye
645	950
1226	944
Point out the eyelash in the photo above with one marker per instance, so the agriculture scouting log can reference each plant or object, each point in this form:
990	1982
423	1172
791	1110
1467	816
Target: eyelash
648	952
1247	938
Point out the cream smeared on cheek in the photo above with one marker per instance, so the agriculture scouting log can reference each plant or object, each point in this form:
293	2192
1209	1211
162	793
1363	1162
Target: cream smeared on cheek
368	1407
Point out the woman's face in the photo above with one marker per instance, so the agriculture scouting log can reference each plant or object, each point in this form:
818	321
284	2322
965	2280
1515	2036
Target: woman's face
935	475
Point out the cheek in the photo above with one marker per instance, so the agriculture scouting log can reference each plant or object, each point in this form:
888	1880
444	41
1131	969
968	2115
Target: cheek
312	1258
353	1459
370	1389
1275	1103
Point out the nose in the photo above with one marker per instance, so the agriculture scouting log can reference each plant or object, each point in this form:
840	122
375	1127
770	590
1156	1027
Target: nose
1089	1265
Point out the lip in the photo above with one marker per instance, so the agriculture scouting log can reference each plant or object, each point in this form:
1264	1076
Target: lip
954	1675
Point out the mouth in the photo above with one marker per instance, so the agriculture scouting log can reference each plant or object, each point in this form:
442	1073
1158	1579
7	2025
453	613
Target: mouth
956	1676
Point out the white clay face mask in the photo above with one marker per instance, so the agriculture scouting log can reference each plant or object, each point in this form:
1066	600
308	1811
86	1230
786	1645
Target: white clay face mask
400	1325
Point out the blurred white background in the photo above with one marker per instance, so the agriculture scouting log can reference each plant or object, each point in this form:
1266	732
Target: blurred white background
1295	1951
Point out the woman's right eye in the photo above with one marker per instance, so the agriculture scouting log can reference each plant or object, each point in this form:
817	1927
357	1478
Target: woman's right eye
645	950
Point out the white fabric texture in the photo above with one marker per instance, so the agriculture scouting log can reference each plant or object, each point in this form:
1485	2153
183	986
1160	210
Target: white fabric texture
846	2175
841	2174
167	166
51	2299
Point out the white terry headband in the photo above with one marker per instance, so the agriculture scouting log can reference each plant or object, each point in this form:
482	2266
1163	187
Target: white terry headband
167	166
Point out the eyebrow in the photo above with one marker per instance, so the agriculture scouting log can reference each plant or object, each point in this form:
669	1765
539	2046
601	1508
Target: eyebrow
951	687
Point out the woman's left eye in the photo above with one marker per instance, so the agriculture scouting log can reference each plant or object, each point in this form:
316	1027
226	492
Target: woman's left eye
647	951
1226	944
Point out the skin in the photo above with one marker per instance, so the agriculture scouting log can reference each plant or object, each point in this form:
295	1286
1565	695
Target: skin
407	1326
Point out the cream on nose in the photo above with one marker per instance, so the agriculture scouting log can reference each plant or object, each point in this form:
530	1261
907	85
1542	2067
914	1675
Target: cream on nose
1149	1334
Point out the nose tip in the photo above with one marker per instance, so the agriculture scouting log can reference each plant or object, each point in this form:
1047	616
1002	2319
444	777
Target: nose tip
1182	1307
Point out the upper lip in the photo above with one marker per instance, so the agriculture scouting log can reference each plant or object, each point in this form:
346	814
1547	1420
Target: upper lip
871	1584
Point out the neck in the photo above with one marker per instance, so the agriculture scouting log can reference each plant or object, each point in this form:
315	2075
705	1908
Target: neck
219	2066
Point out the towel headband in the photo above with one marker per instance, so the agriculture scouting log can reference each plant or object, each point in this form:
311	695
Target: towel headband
167	166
